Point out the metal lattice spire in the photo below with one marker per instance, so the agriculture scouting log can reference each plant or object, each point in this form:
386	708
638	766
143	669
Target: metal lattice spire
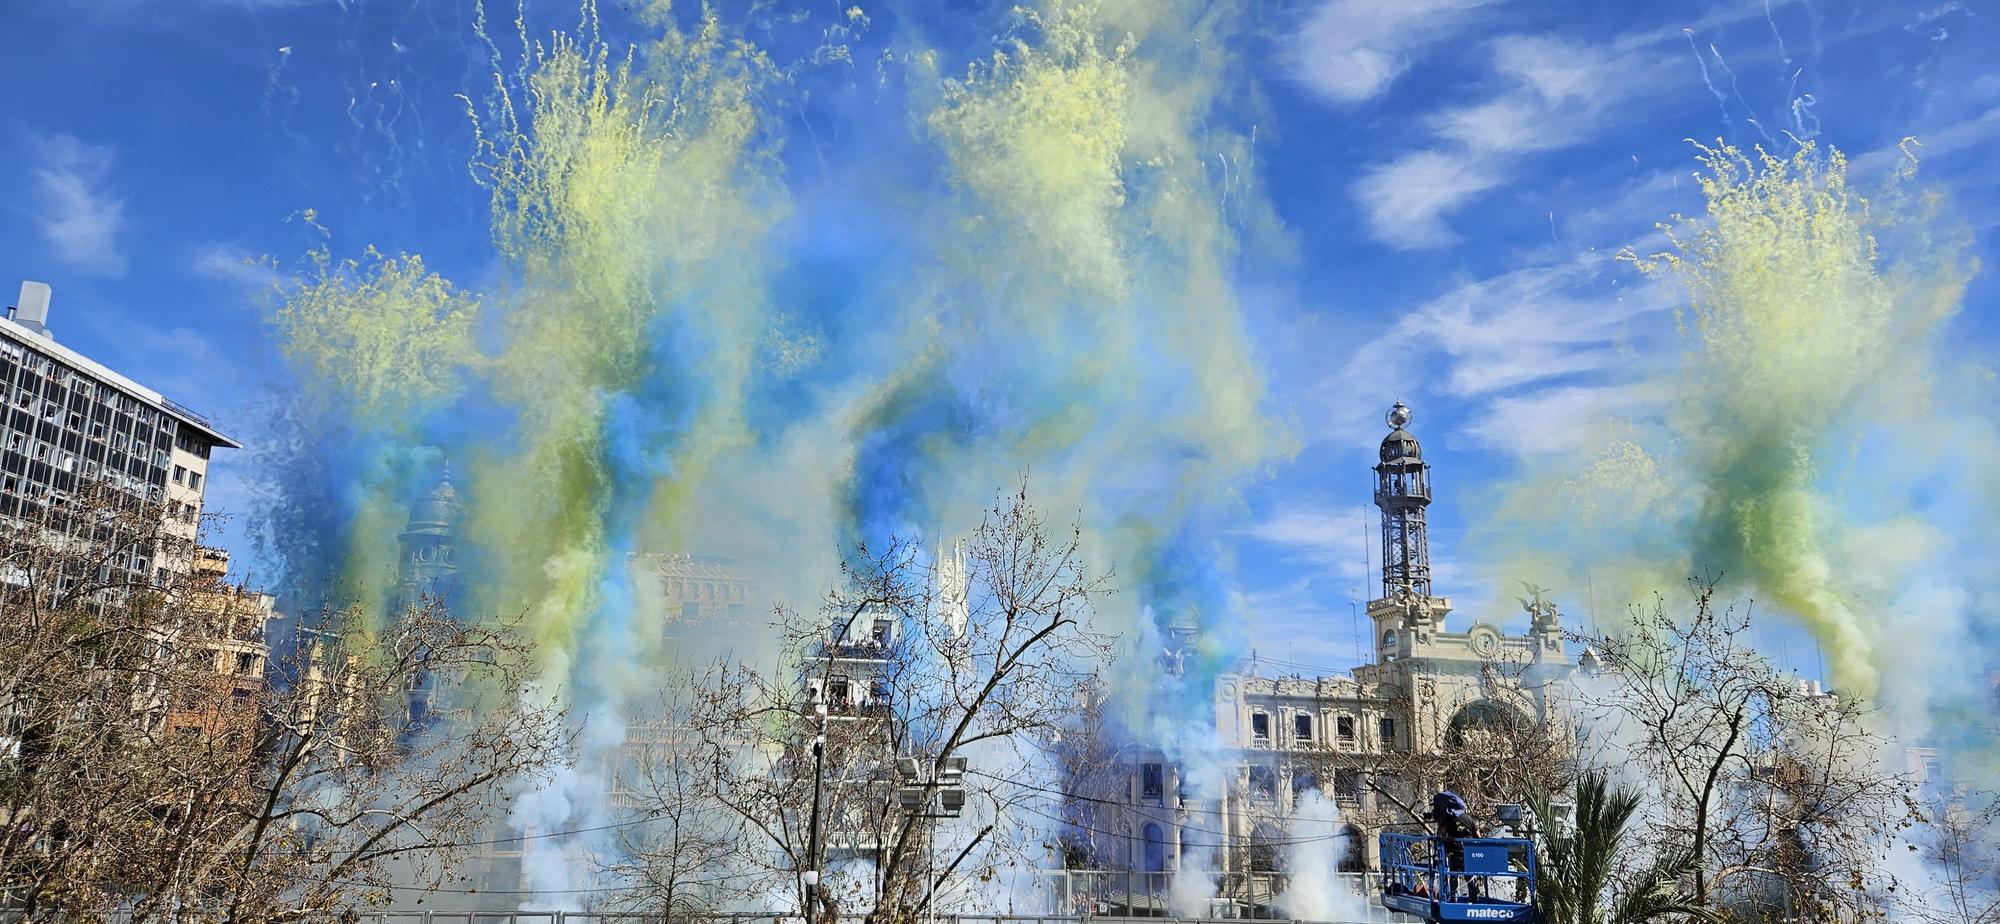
1402	491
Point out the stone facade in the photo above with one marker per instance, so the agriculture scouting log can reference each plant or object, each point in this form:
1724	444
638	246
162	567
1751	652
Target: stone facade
1360	740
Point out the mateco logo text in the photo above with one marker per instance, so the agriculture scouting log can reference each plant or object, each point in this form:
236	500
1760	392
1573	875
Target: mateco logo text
1500	914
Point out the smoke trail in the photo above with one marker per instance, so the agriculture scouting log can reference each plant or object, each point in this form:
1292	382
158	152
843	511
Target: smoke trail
1316	844
1064	308
1082	325
1811	326
380	344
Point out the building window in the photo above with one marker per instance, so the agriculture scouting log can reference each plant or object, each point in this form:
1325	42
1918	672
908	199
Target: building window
1152	782
180	474
1264	843
1260	727
1156	848
837	695
1303	782
1263	783
1386	729
194	480
878	632
1352	846
1347	785
1302	727
245	662
1344	727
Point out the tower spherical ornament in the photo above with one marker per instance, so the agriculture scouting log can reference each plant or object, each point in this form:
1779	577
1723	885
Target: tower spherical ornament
1398	416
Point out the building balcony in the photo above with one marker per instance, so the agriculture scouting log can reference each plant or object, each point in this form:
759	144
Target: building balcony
863	651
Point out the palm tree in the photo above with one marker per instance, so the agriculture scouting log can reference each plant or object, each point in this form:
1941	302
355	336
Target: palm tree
1579	870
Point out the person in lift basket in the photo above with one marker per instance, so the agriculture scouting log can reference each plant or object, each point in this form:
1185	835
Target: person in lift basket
1454	821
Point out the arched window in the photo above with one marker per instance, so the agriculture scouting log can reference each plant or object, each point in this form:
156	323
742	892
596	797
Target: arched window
1353	855
1264	849
1485	725
1156	849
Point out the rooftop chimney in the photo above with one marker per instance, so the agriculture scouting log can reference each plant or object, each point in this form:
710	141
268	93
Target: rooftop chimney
32	309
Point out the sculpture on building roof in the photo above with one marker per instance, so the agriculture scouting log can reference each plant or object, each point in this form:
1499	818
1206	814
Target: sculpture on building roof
1542	614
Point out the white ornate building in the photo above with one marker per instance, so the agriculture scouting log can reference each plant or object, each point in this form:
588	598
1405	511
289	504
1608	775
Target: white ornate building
1355	738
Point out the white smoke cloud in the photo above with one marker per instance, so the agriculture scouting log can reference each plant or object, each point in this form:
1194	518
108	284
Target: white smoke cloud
1315	892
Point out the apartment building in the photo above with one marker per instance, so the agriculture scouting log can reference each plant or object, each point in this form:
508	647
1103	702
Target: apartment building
67	421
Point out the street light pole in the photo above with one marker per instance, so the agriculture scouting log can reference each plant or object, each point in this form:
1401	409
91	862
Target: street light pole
812	825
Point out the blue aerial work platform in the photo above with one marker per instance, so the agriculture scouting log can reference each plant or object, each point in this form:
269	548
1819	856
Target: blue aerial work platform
1462	879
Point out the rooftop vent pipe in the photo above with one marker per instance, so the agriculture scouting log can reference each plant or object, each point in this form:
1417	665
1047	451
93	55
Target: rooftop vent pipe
31	310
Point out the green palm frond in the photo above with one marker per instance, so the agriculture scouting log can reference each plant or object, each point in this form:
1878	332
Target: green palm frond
1579	863
1657	894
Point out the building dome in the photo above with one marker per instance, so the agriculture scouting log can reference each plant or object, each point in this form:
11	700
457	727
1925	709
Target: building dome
439	509
1399	445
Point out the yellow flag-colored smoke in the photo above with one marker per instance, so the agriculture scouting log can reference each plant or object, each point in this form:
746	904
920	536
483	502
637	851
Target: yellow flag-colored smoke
1809	323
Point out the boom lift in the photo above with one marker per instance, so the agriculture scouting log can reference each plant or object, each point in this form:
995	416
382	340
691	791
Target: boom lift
1455	875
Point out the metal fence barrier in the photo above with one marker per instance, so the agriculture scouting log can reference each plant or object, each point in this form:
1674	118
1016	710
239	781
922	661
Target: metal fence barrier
1374	914
1047	897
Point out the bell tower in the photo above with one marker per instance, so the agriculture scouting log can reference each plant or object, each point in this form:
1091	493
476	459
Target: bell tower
429	560
1402	491
1407	613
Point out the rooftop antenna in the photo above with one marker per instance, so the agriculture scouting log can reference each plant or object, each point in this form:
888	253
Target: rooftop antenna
1590	598
1354	621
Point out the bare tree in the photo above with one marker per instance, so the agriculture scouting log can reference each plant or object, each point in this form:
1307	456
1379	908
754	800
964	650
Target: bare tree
358	789
87	671
142	769
1959	844
679	858
915	664
1775	786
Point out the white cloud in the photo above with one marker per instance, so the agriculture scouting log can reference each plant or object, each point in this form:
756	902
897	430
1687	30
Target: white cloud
1308	625
1335	538
1558	90
1351	50
1496	338
1555	94
1563	419
1408	198
1975	133
232	264
77	214
1529	325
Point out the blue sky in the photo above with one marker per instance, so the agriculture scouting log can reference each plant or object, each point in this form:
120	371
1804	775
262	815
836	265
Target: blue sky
1453	178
